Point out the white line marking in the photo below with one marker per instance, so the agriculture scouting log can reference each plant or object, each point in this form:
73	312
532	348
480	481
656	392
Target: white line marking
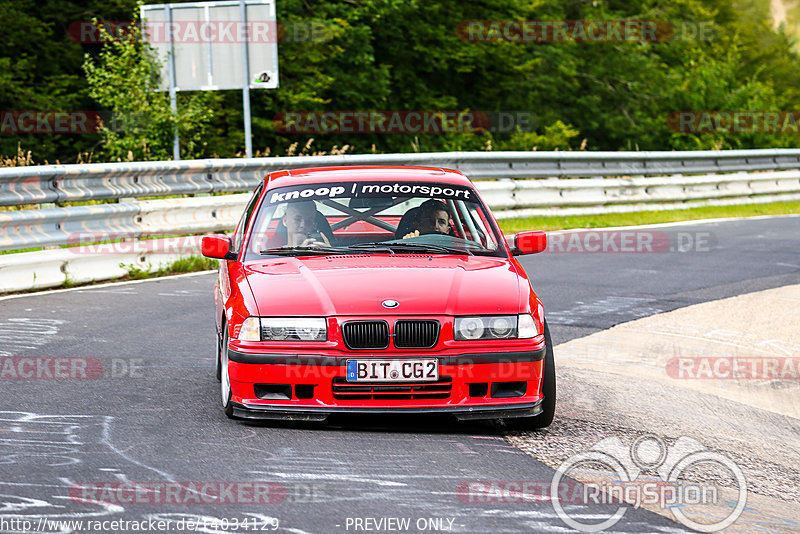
107	440
329	476
109	284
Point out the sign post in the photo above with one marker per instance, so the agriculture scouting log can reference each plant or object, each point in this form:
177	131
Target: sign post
248	141
211	46
173	94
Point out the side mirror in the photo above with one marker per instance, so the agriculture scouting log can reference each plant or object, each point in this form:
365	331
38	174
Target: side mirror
216	246
529	243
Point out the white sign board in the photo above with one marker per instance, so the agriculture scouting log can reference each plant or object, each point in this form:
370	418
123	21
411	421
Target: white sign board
211	42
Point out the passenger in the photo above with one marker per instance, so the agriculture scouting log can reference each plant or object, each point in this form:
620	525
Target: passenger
433	217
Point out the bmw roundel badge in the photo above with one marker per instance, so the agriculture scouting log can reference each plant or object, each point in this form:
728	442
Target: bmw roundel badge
390	303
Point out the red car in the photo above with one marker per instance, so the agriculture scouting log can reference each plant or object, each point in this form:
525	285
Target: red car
378	290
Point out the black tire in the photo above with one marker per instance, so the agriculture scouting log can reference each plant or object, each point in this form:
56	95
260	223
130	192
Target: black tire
225	379
217	357
545	418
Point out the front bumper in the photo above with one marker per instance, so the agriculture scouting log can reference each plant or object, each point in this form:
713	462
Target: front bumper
483	385
299	413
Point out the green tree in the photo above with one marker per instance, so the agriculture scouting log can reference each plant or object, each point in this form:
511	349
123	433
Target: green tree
410	55
124	77
40	71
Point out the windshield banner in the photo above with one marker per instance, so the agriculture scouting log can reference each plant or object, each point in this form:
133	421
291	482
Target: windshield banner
370	189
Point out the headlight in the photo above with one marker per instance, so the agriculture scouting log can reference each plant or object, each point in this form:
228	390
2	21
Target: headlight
251	330
501	326
527	327
470	328
495	327
294	329
490	327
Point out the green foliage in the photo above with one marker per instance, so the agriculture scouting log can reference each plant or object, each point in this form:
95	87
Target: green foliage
124	77
188	264
136	273
407	55
40	70
557	136
386	55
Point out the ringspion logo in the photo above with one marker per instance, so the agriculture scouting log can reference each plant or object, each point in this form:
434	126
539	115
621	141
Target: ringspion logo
615	473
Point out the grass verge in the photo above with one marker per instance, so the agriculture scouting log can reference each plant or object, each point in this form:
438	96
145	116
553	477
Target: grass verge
189	264
510	226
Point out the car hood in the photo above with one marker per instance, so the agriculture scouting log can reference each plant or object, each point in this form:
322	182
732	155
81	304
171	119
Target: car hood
358	284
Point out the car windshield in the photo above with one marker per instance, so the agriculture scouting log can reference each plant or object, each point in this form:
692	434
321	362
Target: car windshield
373	218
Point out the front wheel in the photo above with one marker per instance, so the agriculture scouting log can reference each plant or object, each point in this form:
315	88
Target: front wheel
545	418
225	379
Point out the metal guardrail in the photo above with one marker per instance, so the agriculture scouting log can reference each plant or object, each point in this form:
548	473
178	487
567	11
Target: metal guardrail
77	265
70	183
512	183
509	198
84	224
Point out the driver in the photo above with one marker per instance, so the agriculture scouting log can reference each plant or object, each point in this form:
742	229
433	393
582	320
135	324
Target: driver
433	217
301	227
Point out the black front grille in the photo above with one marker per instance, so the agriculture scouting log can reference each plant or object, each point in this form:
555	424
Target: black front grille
344	390
366	334
413	334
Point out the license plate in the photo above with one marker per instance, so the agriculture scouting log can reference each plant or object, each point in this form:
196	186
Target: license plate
392	370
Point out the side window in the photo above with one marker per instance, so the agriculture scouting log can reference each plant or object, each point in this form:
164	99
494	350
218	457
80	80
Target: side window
238	237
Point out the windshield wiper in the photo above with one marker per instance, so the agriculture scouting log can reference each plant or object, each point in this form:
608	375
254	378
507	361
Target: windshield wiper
415	247
376	247
304	251
390	248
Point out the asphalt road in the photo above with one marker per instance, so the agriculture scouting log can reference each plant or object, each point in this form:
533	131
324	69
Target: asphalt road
152	414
